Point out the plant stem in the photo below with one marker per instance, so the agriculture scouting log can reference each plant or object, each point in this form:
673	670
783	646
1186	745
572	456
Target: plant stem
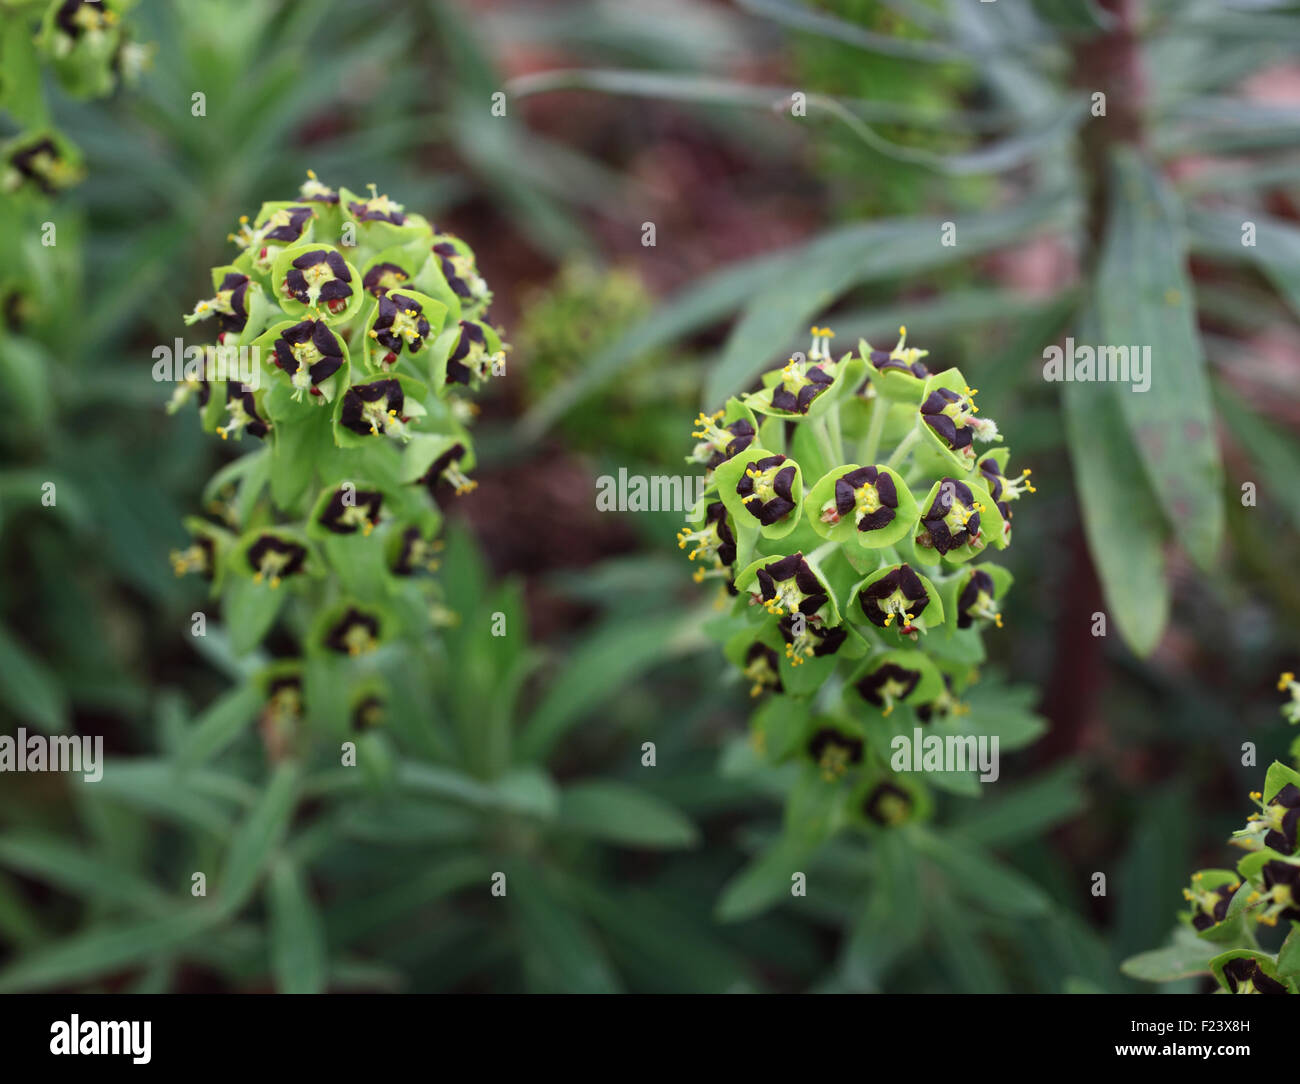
822	550
824	442
871	443
900	453
837	438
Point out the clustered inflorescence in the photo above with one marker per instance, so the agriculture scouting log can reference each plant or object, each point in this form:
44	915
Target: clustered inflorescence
1264	890
87	45
346	334
849	508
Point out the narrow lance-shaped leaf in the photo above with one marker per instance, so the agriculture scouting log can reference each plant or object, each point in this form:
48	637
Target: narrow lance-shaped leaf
1145	309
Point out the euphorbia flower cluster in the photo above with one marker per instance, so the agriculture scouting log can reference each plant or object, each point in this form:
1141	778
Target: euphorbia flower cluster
851	508
365	326
1233	911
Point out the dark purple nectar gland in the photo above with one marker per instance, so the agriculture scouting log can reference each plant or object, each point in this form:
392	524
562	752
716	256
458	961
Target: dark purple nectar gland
399	322
41	163
229	306
320	277
199	556
242	408
355	633
375	408
976	601
274	559
888	684
868	495
943	705
446	468
718	443
834	753
1209	905
789	585
313	191
1245	976
417	553
714	540
951	417
888	805
284	226
460	271
470	361
762	669
352	510
368	714
953	518
284	698
767	489
1276	825
309	352
77	17
377	209
384	277
899	595
903	359
810	640
801	382
1281	893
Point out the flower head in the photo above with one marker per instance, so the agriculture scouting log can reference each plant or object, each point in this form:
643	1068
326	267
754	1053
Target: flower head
310	353
1276	825
897	595
834	752
241	405
1209	904
789	585
354	633
762	669
274	559
351	510
375	408
953	518
714	541
766	489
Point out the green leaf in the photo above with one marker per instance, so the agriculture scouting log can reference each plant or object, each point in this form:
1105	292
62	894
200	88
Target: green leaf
222	723
602	665
1274	456
72	869
621	813
1026	811
981	878
777	314
561	954
526	790
85	955
31	691
1276	251
765	879
257	838
1124	530
154	787
299	958
1144	300
250	610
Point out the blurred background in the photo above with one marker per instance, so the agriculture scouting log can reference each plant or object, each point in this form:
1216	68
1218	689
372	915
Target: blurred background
676	114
